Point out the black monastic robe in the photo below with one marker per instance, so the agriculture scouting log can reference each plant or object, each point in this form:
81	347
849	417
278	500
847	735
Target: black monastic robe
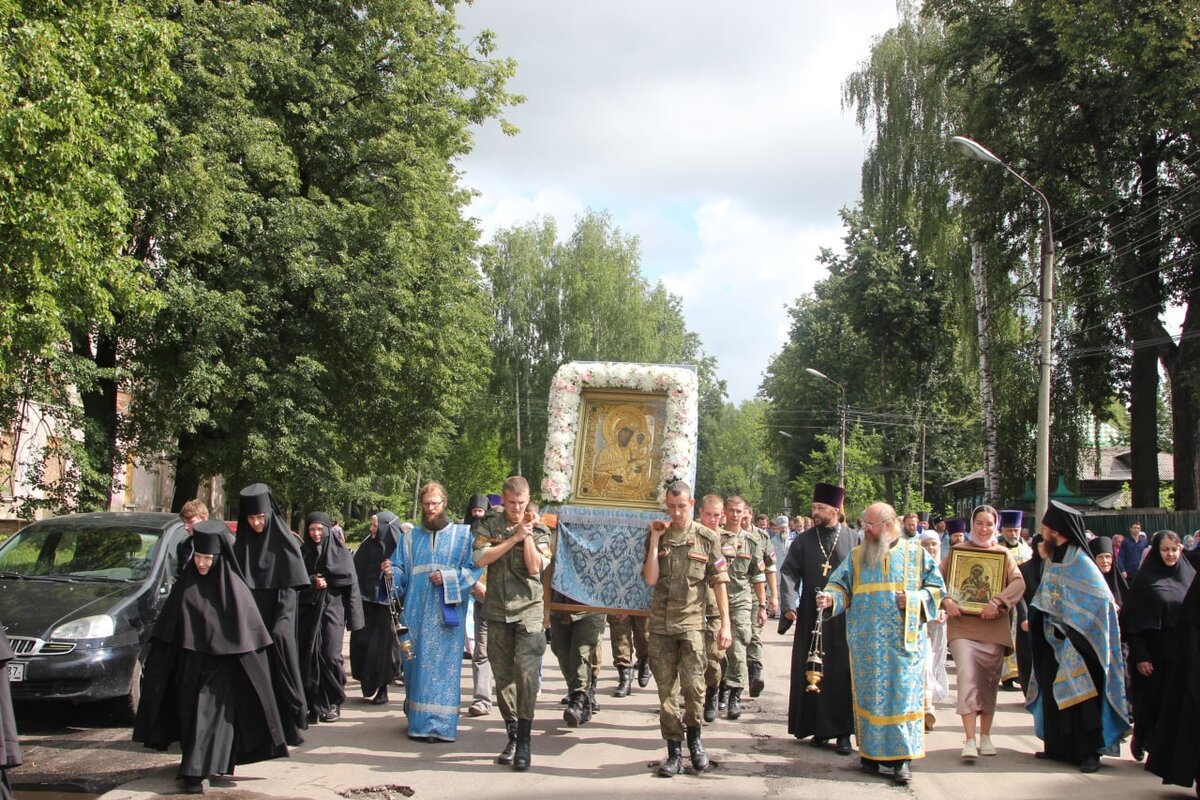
829	713
374	648
324	616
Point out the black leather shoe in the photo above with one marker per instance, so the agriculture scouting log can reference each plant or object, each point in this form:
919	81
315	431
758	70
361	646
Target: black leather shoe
312	717
843	746
332	715
506	755
643	672
624	682
722	697
710	704
575	713
193	786
672	765
380	698
867	765
1090	763
902	774
696	749
815	742
1136	749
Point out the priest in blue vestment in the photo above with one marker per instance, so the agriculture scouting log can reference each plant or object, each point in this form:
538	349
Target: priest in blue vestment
888	588
434	575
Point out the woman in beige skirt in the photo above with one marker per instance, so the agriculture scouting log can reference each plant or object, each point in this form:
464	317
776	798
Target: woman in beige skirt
979	641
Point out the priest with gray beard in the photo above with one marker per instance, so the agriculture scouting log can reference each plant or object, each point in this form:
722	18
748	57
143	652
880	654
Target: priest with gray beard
811	559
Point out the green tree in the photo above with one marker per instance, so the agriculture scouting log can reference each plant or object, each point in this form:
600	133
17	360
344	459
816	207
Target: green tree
80	88
324	326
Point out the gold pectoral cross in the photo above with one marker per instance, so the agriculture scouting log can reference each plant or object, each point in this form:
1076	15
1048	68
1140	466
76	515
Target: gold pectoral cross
825	569
1055	595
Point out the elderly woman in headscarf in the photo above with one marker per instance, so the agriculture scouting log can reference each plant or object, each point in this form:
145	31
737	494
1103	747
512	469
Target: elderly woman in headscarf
330	604
1102	552
207	678
1148	622
937	682
375	648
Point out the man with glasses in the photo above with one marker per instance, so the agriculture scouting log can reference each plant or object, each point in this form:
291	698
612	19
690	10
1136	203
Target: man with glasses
887	588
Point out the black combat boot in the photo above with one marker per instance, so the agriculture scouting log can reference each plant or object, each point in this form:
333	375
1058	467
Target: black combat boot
696	748
577	710
521	758
643	672
624	682
672	765
710	704
506	755
722	697
756	679
734	710
593	706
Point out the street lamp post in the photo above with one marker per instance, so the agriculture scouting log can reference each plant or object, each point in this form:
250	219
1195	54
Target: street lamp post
972	149
841	424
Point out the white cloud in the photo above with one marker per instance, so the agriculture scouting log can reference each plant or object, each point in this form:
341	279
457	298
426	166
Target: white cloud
714	132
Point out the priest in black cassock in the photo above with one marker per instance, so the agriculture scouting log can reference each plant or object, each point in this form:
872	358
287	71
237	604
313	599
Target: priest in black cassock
207	682
269	557
1077	687
811	559
374	648
328	606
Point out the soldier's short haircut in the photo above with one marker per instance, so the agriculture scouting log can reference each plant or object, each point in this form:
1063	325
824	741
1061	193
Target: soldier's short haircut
712	501
516	485
737	498
679	489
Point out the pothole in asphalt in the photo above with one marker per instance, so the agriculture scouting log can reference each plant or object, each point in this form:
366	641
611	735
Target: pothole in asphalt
388	792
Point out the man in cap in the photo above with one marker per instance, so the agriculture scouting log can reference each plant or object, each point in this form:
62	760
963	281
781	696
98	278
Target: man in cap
1077	689
682	559
813	556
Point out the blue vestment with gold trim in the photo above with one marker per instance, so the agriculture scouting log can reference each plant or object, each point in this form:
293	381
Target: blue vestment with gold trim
887	645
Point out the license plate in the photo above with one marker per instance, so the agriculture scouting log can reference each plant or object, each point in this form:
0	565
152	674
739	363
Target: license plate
16	671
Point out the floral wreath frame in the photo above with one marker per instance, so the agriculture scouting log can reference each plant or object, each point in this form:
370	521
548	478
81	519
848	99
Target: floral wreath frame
566	390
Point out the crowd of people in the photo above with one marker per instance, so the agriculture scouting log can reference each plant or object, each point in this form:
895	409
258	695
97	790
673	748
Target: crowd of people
247	652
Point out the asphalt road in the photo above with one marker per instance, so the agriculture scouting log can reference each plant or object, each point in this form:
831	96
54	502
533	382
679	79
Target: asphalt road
613	755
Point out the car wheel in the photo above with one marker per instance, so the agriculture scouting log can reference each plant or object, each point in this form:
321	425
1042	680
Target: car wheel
127	706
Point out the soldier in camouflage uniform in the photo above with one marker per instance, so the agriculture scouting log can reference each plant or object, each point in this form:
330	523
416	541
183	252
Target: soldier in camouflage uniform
712	516
515	551
754	653
682	559
629	638
575	638
747	578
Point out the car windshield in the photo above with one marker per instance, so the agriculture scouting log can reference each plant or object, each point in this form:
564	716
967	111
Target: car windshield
109	553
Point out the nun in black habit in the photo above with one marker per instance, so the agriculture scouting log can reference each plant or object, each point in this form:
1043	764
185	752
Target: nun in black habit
1148	621
10	748
328	605
206	680
1100	547
1173	755
374	648
270	559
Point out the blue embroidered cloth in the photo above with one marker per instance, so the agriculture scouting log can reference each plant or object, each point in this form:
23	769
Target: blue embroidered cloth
600	555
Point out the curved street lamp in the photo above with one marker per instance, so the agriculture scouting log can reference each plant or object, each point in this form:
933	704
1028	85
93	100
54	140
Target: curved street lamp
841	424
974	150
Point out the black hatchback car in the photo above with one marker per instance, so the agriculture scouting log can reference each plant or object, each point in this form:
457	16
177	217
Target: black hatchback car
79	595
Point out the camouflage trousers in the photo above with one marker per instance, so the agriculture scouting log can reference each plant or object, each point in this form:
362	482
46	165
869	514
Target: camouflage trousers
714	670
742	625
575	638
515	653
677	662
629	637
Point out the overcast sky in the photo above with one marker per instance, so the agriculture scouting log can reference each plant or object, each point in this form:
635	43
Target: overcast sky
714	132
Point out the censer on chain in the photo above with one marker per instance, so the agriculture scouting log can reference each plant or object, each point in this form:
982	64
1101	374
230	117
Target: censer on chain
814	665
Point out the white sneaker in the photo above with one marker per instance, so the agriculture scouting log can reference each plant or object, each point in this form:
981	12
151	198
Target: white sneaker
970	751
986	748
